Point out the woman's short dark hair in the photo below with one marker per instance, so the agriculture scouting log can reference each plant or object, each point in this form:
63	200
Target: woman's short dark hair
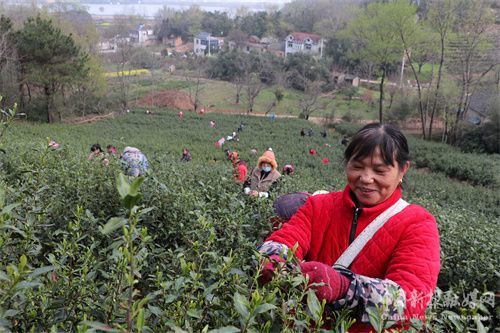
392	143
95	147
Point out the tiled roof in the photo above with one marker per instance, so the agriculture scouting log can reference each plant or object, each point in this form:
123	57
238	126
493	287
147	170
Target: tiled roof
301	36
203	35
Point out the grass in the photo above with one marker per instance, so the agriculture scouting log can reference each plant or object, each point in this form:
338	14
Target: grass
217	94
425	74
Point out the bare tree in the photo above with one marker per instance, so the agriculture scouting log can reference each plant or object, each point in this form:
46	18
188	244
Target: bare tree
253	87
239	82
392	90
123	53
238	38
309	102
441	19
472	56
193	78
280	79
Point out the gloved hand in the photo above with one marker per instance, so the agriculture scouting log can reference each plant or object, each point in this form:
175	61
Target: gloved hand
335	285
267	273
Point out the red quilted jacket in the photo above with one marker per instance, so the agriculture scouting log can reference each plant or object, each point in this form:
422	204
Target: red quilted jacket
405	250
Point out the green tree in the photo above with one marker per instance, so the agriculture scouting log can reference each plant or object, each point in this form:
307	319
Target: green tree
90	90
301	14
230	66
254	24
49	58
302	67
120	26
5	42
412	37
472	52
375	40
8	63
185	24
440	18
217	23
278	27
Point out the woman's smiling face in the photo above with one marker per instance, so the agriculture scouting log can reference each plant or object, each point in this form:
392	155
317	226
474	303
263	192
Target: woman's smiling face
372	180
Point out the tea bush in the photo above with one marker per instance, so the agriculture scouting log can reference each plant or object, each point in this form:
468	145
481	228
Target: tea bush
179	254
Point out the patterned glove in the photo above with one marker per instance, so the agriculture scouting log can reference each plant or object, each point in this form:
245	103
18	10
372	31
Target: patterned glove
267	273
335	285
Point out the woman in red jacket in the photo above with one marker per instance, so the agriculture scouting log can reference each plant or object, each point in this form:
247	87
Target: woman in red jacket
396	270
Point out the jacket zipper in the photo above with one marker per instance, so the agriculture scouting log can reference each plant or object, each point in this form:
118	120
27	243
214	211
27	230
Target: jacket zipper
354	224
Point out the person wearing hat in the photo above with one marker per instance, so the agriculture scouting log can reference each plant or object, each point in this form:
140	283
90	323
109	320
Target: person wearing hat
263	176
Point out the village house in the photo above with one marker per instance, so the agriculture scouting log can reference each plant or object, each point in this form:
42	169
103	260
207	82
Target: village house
205	44
304	42
142	35
113	44
345	79
480	105
259	45
172	41
106	47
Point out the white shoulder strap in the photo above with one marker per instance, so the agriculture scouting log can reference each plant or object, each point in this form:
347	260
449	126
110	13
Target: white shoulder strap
359	243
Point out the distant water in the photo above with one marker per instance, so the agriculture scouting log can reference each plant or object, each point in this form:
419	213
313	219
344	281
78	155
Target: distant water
150	10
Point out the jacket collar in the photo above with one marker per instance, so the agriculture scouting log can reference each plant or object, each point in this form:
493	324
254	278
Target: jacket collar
377	209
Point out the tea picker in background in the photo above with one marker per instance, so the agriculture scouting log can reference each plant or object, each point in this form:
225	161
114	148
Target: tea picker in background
96	153
240	170
284	208
186	155
345	141
111	150
302	133
220	143
263	177
134	162
232	137
288	170
393	268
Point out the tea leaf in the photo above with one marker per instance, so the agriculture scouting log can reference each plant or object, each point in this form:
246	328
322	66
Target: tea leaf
241	305
226	329
264	308
42	270
113	224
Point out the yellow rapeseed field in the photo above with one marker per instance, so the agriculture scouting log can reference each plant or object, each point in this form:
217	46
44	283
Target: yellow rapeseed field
131	72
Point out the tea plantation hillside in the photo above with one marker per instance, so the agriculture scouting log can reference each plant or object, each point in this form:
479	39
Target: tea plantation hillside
75	255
